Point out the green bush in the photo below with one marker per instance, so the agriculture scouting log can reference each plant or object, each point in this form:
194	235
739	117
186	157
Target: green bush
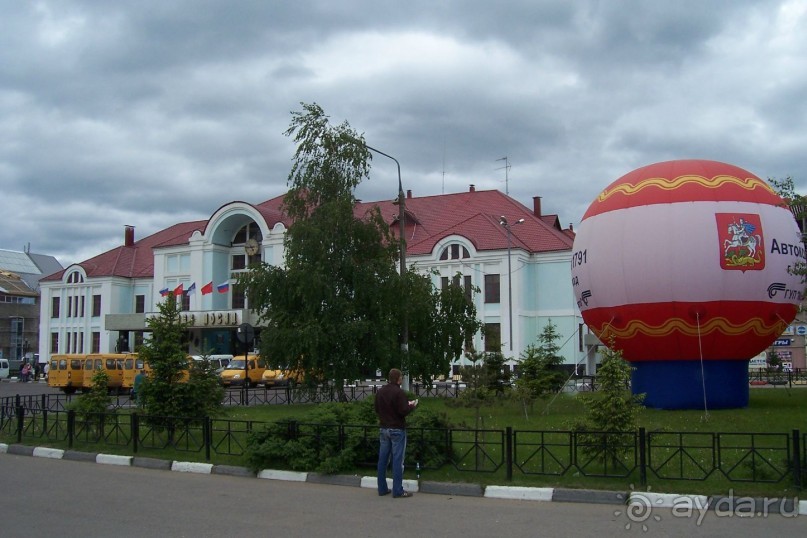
336	437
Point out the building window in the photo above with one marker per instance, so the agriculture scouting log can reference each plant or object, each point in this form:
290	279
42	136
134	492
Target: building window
239	262
239	298
54	343
96	306
186	302
81	342
177	264
96	342
493	337
140	304
467	286
54	307
455	252
82	306
492	289
75	278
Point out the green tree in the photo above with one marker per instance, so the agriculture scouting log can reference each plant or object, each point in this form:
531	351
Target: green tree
540	372
97	400
337	307
610	412
797	203
174	387
441	323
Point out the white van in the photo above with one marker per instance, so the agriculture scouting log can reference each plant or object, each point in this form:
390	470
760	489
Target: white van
219	362
5	371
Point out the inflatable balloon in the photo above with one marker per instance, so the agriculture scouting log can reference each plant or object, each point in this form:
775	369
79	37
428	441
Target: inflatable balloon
685	266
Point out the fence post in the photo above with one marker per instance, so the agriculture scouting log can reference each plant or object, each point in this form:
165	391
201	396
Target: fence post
135	425
207	433
643	456
508	444
20	421
71	428
797	459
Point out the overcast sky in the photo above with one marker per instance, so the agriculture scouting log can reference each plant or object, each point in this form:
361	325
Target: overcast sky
149	113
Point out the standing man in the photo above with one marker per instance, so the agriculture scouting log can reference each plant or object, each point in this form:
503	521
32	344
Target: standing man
391	406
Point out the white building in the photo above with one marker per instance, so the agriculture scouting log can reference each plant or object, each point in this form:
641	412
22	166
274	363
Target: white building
518	257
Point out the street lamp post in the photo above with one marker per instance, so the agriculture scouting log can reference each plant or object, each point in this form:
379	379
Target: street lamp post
401	237
507	226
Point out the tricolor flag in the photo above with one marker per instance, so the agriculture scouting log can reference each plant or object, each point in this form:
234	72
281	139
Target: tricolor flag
178	291
164	292
207	288
224	287
191	290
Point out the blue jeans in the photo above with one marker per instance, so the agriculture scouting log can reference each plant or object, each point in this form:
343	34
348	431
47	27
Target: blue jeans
392	443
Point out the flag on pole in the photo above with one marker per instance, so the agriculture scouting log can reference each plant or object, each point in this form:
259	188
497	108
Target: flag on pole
178	291
224	287
207	288
164	292
191	290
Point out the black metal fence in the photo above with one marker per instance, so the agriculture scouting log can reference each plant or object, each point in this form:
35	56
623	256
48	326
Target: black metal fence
639	455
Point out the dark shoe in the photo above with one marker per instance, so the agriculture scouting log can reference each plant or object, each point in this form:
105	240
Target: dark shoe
404	495
385	493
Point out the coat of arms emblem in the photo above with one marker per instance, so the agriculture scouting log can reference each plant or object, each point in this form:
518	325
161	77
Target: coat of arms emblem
741	241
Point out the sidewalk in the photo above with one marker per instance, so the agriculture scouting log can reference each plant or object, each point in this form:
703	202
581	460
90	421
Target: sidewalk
737	505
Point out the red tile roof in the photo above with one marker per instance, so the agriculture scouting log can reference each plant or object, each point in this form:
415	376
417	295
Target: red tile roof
474	215
136	261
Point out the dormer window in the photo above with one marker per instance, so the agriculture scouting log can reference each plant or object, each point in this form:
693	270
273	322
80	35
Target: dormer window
455	252
75	278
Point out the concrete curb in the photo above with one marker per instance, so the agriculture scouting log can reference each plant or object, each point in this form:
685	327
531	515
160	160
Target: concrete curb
45	452
738	505
232	470
191	467
452	488
371	482
518	493
76	455
151	463
334	479
289	476
589	496
113	459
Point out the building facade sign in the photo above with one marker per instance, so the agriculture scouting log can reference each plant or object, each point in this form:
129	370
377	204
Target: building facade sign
211	318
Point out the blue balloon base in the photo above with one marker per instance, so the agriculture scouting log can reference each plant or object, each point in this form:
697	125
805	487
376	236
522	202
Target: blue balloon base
679	384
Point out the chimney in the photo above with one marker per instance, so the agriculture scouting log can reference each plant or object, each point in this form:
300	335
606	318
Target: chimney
571	226
128	236
409	193
536	205
473	188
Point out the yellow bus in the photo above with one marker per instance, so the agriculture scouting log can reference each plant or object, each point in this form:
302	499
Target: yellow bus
112	364
66	372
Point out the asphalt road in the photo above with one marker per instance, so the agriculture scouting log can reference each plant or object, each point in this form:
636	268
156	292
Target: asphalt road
49	497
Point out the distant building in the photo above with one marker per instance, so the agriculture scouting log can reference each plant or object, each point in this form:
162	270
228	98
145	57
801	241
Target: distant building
20	273
101	304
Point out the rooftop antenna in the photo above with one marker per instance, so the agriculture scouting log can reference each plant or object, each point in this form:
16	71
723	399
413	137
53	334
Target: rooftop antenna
506	174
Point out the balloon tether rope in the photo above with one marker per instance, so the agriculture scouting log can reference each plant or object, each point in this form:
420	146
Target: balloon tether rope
703	375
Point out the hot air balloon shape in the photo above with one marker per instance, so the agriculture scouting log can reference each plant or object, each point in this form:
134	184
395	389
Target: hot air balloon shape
686	267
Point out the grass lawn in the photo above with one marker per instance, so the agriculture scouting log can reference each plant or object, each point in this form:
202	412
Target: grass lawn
770	410
777	410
